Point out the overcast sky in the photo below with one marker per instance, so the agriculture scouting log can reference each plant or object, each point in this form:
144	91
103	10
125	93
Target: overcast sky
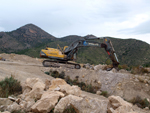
115	18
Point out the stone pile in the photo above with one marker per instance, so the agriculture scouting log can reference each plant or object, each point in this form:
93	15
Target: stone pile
36	98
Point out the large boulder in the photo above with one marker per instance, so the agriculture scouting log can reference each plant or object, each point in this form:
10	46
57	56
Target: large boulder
73	90
31	81
47	102
56	82
13	107
82	105
60	85
34	88
118	105
4	103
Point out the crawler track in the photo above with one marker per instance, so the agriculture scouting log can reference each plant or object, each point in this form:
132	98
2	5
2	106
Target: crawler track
57	64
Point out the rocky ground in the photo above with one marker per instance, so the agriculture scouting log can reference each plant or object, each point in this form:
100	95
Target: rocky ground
29	70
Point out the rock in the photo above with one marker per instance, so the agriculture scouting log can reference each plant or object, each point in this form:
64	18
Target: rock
74	90
37	90
88	66
26	105
47	84
146	108
114	70
13	107
98	92
141	78
64	102
82	105
99	82
34	89
136	80
132	112
23	104
5	101
11	98
118	105
47	102
83	76
56	82
5	112
145	81
18	100
31	81
123	71
148	81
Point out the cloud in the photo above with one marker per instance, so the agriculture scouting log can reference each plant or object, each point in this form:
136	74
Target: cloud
78	17
142	28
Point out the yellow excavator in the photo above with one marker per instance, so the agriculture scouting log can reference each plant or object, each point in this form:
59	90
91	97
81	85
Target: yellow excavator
68	53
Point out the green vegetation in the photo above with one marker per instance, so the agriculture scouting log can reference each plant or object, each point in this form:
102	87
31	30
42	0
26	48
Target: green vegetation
142	103
130	52
9	86
146	64
139	70
18	111
70	109
126	67
105	93
82	85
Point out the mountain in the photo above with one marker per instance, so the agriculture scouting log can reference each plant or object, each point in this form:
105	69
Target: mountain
25	37
30	39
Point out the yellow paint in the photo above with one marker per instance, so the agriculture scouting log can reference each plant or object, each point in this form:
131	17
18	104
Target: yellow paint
55	53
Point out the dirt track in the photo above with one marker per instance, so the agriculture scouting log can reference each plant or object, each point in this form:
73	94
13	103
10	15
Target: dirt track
21	67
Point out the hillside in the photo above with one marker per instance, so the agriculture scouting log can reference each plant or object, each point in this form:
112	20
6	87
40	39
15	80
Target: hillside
25	37
30	39
129	51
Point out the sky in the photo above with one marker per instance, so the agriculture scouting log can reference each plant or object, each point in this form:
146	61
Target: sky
116	18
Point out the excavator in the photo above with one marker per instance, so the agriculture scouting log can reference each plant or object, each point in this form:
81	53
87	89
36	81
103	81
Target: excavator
68	53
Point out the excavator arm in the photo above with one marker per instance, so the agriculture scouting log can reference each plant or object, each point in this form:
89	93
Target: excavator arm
88	42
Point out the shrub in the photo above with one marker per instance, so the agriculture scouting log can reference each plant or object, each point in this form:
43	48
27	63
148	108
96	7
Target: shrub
124	67
105	93
47	73
9	86
70	109
82	85
142	103
18	111
139	70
